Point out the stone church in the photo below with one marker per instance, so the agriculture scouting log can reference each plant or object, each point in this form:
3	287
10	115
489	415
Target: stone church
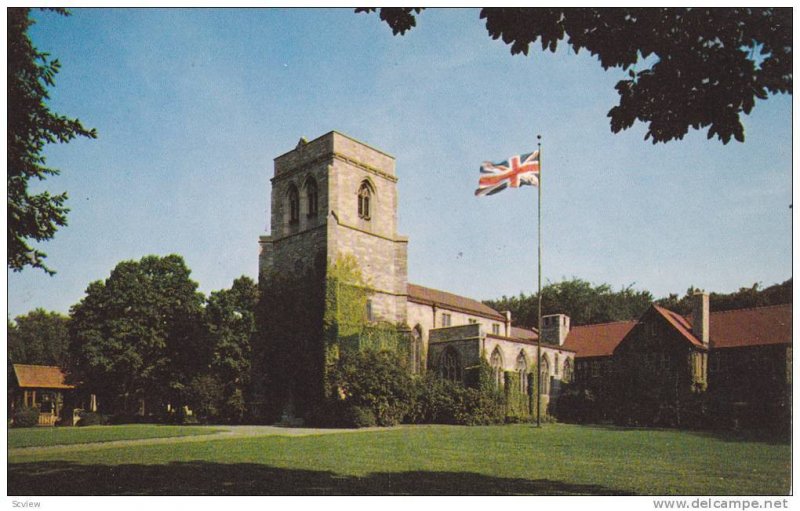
336	196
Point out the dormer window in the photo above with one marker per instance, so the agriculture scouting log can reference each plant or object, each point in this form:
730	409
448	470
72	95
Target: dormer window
364	200
311	196
294	204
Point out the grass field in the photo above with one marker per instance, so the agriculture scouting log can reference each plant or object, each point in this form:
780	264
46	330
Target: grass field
429	460
38	437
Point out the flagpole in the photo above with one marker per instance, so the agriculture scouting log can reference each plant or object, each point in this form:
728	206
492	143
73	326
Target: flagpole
539	336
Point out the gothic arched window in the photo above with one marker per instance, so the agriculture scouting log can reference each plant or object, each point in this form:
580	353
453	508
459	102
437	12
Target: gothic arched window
496	362
544	376
522	372
449	365
364	200
416	349
567	376
311	196
294	204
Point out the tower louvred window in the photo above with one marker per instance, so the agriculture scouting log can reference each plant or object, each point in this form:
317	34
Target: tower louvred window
294	204
364	201
312	197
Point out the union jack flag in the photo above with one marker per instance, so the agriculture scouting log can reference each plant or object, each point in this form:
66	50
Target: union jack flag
518	170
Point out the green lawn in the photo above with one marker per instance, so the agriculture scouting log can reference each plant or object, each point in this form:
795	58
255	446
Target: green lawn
501	460
35	437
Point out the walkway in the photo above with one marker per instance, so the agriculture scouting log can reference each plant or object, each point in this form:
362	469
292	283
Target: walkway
228	432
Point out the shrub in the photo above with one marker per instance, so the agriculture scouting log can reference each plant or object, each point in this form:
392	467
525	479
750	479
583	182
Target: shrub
360	417
438	401
205	396
92	419
376	380
26	417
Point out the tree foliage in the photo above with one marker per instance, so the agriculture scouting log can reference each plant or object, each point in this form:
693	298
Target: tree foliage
31	125
687	67
230	324
38	337
745	297
582	301
139	334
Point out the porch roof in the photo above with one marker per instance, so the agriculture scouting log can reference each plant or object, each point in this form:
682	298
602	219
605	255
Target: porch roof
40	377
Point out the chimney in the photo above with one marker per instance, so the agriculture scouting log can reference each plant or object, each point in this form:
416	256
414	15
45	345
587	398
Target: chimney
554	329
700	316
507	314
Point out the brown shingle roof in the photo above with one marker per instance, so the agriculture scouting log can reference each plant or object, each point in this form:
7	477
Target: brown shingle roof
428	296
529	341
524	333
751	327
40	377
597	340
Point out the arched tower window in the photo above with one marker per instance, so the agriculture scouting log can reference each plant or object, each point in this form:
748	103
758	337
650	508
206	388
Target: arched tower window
496	362
450	366
294	204
555	366
416	350
522	372
365	193
312	196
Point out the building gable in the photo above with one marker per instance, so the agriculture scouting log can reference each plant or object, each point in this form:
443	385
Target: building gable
40	377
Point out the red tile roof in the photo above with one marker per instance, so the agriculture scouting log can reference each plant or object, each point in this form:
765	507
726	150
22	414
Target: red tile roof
40	377
681	324
727	329
597	340
428	296
751	327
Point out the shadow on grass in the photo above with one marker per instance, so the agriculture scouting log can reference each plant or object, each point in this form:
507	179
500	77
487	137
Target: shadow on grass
204	478
764	436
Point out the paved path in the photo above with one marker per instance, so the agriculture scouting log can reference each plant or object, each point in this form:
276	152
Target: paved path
227	433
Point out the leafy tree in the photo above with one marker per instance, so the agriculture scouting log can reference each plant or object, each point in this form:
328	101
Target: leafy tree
582	301
230	320
139	333
687	67
38	337
745	297
31	125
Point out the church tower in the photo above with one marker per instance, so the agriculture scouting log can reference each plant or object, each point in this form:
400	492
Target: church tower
334	196
331	197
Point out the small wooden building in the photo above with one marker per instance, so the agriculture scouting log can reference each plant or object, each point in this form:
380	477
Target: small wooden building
42	387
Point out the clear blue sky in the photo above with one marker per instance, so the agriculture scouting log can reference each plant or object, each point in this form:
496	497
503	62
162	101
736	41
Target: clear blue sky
191	106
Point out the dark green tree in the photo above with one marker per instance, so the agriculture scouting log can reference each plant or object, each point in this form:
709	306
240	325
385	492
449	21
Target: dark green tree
687	67
582	301
31	125
745	297
139	334
38	337
230	320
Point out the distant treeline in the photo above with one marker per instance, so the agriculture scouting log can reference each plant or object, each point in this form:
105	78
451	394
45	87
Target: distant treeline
745	297
586	303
